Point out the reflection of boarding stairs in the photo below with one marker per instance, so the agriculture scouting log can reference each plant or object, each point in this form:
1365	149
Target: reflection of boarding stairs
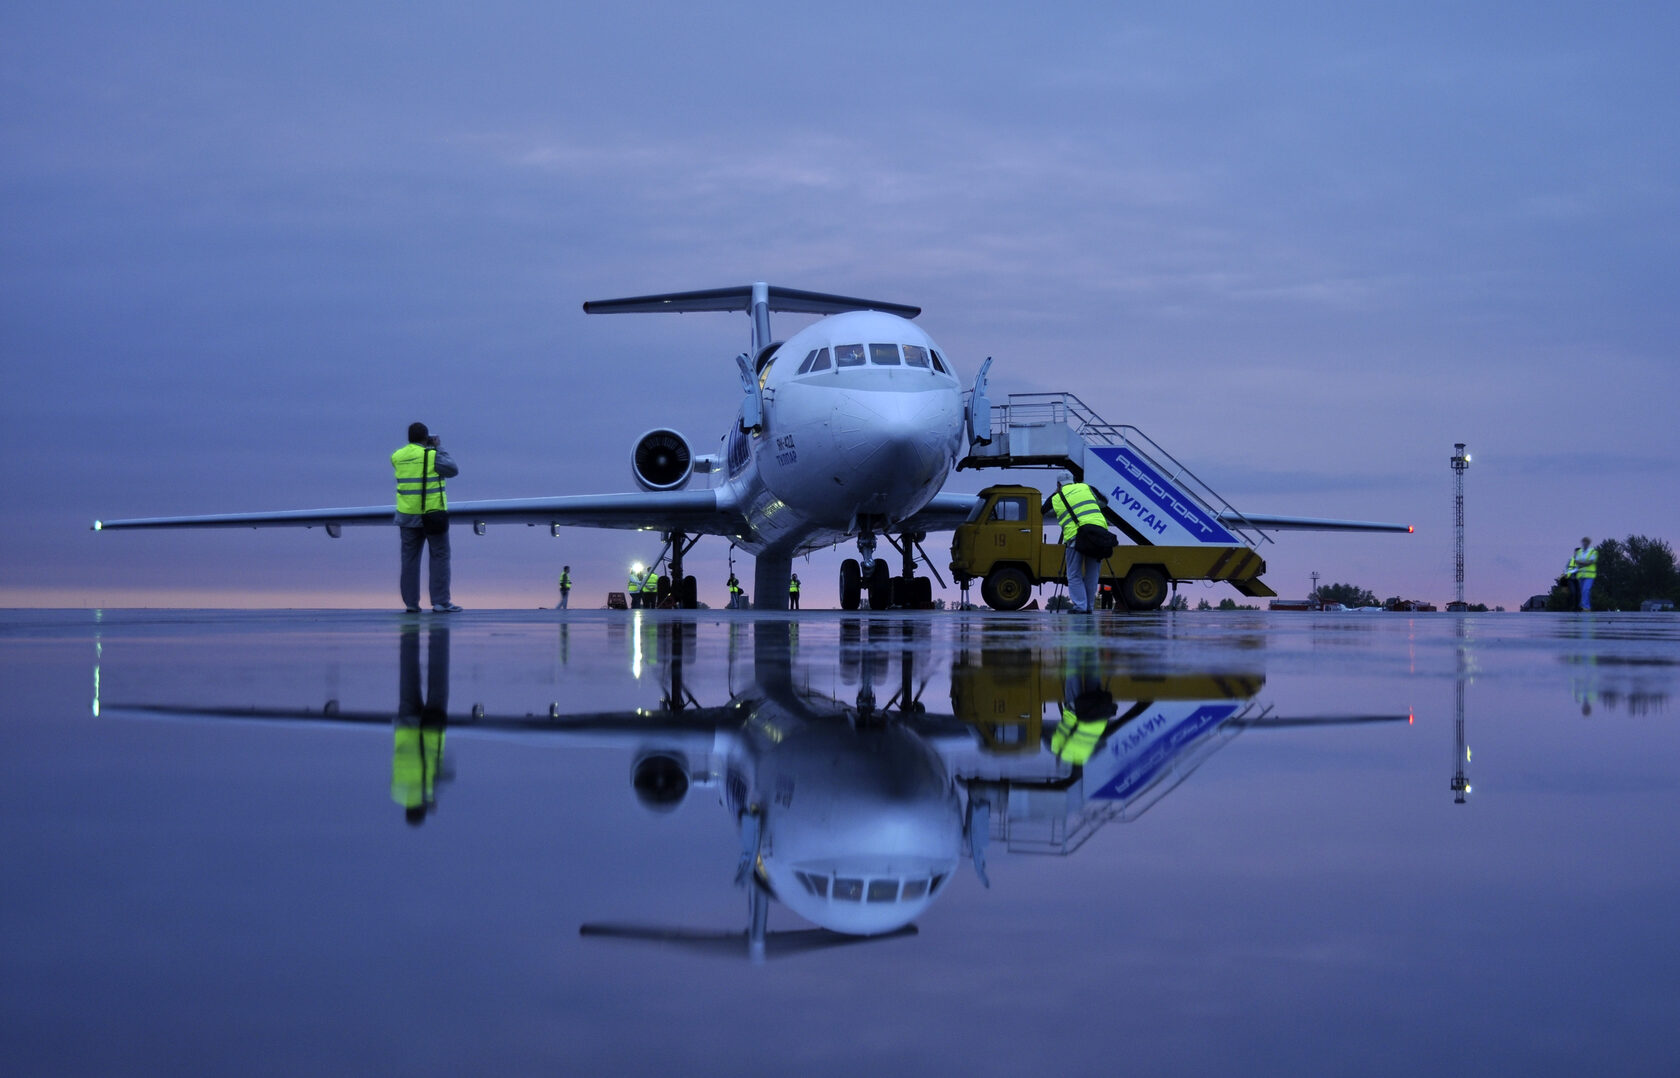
1059	818
1156	499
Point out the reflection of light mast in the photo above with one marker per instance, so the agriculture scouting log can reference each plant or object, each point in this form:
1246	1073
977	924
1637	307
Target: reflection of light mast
1461	780
1460	463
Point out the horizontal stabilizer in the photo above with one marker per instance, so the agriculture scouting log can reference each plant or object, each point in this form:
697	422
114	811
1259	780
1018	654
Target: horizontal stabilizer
1315	524
740	299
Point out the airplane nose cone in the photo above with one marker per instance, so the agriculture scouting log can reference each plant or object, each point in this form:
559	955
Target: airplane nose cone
898	443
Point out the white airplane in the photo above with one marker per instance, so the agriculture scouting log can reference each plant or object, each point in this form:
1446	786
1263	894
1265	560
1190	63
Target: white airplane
848	428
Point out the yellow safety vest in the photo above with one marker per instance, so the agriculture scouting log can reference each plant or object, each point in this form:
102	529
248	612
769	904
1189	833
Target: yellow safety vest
634	587
419	486
793	586
1585	563
1076	504
1075	739
415	752
565	581
734	588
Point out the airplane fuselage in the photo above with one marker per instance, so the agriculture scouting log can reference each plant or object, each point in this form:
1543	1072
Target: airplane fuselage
861	423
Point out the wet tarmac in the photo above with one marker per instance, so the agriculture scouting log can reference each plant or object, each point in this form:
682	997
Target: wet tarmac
718	843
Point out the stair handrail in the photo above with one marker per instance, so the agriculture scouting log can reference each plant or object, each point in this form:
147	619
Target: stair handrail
1027	409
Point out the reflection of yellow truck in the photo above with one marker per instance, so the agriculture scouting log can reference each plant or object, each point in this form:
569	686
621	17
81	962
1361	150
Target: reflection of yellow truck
1003	547
1004	692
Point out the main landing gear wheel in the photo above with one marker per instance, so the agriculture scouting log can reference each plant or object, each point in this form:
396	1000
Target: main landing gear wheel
851	584
880	587
690	594
1005	588
1145	588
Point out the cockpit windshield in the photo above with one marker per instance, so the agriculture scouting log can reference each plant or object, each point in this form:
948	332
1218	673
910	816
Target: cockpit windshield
880	889
872	354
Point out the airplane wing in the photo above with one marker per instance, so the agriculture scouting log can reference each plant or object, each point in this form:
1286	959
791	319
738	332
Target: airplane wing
1321	524
943	513
694	511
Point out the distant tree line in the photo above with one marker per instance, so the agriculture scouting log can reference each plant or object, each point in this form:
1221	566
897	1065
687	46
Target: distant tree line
1630	571
1349	595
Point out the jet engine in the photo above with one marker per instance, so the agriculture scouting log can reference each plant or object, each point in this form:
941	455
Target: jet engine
661	460
660	781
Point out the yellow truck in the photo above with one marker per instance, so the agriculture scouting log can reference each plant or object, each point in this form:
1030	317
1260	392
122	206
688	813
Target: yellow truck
1003	547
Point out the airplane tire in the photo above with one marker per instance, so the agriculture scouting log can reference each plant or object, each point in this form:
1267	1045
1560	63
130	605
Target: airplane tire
1005	588
921	593
851	584
1145	588
880	587
690	593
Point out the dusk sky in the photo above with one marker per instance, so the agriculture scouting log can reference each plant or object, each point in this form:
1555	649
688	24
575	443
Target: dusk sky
1305	247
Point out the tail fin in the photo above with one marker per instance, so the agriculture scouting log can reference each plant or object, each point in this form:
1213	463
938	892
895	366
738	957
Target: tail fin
757	300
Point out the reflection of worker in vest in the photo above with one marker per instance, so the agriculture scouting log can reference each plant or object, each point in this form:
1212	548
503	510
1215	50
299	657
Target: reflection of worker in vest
1086	709
417	744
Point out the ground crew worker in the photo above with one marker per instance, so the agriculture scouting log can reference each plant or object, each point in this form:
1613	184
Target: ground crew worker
423	516
793	592
734	593
565	586
650	589
1076	504
633	588
1583	569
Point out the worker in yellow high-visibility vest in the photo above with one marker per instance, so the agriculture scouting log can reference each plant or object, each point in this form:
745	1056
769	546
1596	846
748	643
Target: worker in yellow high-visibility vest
423	516
793	592
1583	569
1076	504
565	583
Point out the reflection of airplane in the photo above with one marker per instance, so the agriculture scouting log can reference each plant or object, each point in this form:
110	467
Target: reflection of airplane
857	816
849	428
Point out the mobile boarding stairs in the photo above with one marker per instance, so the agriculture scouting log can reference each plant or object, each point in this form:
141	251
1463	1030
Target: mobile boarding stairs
1154	499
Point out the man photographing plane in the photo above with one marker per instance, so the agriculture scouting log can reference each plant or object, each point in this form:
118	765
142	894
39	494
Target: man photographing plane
423	516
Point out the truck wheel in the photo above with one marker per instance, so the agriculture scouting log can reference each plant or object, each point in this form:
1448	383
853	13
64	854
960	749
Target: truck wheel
851	584
1145	588
1005	588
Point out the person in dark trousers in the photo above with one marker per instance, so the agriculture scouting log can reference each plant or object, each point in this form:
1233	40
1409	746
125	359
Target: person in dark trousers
793	592
1076	504
565	586
423	516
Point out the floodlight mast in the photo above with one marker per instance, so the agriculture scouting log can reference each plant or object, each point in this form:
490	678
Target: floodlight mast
1460	464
